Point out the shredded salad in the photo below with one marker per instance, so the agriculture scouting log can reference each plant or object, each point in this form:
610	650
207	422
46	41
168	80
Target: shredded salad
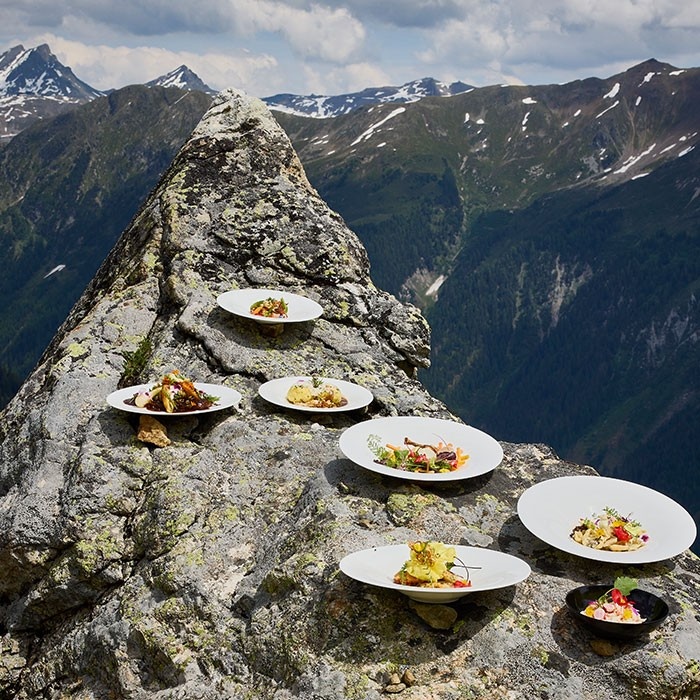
430	566
173	393
416	456
610	531
614	605
270	308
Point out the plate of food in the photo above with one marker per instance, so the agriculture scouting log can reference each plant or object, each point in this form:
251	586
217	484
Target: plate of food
618	611
269	305
174	394
315	394
433	572
606	519
421	449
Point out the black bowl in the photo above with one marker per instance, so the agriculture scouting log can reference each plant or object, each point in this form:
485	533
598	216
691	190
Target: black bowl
650	607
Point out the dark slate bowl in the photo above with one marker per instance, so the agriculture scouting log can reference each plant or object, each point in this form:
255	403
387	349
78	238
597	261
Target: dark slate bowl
650	606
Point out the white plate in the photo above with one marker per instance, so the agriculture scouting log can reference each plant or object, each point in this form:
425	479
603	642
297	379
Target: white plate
275	391
551	509
485	454
227	398
378	565
239	301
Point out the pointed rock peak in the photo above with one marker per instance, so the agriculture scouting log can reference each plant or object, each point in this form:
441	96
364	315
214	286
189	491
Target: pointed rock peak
649	66
44	51
9	56
184	78
38	73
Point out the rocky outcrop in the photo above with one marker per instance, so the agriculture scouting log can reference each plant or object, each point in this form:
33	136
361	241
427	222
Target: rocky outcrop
208	567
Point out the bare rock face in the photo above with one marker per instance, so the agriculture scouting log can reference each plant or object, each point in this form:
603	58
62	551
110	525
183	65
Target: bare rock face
205	565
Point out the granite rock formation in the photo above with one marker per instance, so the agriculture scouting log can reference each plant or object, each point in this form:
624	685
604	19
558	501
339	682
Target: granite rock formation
207	567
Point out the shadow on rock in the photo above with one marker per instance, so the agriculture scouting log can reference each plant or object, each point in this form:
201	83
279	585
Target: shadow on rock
578	644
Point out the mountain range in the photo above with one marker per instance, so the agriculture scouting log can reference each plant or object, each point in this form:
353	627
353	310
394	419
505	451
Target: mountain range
324	106
34	85
549	234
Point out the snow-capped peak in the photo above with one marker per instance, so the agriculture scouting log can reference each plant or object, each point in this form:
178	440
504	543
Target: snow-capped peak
183	78
38	73
322	106
34	84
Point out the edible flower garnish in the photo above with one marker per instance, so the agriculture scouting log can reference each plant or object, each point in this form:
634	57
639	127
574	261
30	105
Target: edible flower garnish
418	457
430	566
614	605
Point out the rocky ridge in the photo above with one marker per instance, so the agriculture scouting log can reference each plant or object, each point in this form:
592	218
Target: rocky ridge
209	568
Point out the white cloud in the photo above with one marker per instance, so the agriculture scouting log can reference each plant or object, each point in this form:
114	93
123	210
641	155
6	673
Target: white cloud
305	40
328	46
343	79
107	67
317	31
556	37
137	17
405	13
320	32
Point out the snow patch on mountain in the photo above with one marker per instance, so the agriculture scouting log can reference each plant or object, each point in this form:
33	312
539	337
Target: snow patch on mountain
633	160
56	269
613	93
435	287
612	106
368	132
682	140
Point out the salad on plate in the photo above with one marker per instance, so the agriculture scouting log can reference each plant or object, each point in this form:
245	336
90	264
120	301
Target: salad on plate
173	393
418	457
270	308
610	531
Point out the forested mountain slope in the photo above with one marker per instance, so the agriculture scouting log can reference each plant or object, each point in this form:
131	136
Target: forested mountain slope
576	321
413	178
68	188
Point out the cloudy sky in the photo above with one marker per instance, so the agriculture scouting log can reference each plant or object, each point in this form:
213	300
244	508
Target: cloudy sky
330	47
